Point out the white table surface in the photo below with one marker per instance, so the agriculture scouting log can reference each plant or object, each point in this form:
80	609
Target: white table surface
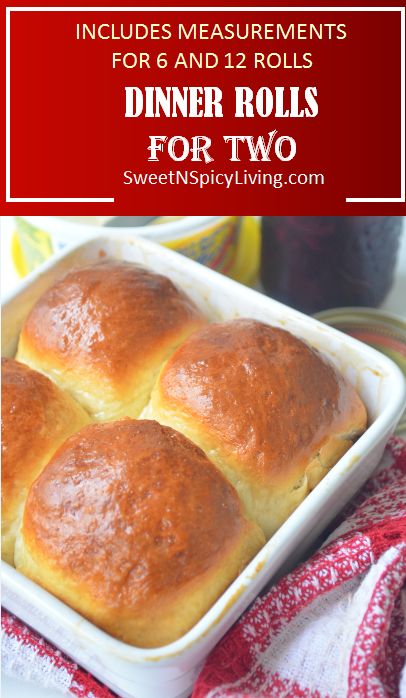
394	303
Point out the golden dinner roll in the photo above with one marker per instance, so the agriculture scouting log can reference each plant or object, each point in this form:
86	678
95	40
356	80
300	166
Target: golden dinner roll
103	331
36	417
131	525
270	411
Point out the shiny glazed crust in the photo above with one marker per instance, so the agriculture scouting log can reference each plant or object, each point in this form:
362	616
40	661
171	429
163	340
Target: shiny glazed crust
36	417
131	525
103	331
270	411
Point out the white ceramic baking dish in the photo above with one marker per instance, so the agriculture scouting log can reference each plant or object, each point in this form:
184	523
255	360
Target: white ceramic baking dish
169	672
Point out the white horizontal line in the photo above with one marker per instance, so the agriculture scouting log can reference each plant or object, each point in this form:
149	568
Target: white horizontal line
205	9
18	199
400	200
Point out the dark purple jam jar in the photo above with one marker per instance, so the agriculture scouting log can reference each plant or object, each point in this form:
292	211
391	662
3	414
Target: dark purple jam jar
313	263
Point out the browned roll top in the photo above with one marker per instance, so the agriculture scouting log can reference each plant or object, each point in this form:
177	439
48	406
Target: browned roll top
116	508
28	398
106	315
264	406
102	332
266	395
36	416
130	514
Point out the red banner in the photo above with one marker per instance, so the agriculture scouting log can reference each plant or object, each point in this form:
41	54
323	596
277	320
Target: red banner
270	110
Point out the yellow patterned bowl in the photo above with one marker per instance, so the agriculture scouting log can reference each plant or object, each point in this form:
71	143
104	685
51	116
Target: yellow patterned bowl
228	244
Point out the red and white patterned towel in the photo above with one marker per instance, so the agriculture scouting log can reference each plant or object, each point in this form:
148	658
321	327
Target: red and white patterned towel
333	628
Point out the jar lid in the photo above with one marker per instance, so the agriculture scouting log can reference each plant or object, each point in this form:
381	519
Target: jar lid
383	331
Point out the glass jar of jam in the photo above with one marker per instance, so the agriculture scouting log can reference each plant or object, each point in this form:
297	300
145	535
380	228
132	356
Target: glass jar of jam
313	263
